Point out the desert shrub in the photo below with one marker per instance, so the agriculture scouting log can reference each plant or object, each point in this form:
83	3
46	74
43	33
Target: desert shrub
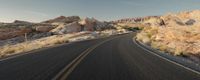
154	45
178	52
9	50
132	28
163	47
143	37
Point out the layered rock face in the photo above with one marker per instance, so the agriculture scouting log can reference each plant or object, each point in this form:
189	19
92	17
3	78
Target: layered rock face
10	33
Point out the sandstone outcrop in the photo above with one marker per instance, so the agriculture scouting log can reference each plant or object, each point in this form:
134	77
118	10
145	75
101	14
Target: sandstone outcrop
67	28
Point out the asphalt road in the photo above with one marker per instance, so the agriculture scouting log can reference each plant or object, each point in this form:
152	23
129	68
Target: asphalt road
42	64
114	58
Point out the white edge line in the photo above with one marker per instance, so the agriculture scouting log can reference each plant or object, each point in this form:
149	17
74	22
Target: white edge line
166	58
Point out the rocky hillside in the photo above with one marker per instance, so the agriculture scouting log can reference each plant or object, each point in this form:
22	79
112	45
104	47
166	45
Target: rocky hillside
135	20
140	22
23	36
179	33
12	33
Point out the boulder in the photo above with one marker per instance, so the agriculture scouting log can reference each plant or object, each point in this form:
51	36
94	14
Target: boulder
44	28
190	22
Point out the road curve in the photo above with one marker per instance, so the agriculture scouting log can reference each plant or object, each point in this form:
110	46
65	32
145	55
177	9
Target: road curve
121	59
43	64
118	58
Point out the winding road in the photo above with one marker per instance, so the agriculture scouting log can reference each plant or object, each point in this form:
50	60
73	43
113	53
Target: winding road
112	58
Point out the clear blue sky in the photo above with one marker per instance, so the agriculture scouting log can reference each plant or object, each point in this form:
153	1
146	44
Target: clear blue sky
39	10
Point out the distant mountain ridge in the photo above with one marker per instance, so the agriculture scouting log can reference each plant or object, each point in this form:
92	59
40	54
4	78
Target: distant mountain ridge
63	24
63	19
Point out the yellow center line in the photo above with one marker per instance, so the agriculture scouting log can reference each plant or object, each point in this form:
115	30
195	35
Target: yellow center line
64	73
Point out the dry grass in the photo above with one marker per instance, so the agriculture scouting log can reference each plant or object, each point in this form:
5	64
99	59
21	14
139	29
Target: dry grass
177	39
51	41
147	34
37	44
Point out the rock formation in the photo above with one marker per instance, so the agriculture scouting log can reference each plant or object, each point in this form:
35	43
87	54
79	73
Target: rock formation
67	28
63	19
59	25
10	32
88	24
